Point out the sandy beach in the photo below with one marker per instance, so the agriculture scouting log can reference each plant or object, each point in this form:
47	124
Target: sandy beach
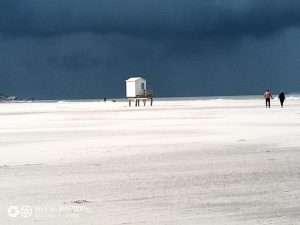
210	162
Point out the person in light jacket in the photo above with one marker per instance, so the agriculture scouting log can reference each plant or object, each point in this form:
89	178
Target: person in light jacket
268	96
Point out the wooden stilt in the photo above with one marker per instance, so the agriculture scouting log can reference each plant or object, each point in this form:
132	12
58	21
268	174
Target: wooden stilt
138	100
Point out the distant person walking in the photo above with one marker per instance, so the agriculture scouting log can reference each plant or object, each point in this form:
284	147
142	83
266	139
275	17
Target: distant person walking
268	96
281	97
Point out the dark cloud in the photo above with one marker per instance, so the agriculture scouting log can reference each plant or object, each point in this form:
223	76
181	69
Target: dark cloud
152	19
94	65
86	49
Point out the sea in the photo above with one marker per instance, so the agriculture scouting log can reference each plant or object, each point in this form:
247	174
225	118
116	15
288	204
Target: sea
294	96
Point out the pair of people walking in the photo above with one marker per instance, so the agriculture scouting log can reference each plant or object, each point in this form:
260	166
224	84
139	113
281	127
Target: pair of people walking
268	96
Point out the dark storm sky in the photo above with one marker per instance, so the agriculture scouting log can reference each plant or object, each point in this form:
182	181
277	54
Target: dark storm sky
53	49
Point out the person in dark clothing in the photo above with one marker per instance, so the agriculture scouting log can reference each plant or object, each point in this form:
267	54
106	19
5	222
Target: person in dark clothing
268	96
281	97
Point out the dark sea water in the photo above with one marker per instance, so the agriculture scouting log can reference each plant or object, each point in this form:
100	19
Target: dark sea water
204	98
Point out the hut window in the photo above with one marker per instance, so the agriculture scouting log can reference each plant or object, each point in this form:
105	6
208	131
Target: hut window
143	86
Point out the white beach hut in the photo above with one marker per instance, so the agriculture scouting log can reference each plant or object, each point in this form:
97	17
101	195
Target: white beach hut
135	87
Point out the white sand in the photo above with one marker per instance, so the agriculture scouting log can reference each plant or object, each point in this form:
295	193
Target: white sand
179	162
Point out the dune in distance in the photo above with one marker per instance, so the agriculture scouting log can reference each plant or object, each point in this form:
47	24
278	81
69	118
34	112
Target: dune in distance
183	161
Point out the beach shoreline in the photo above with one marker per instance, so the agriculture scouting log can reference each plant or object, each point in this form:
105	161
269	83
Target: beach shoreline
212	161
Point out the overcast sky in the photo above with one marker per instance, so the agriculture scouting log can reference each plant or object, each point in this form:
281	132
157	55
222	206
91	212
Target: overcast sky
53	49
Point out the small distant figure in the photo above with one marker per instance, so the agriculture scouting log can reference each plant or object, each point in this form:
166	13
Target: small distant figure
104	99
281	97
268	96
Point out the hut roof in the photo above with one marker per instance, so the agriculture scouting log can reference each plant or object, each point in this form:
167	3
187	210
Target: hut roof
134	78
